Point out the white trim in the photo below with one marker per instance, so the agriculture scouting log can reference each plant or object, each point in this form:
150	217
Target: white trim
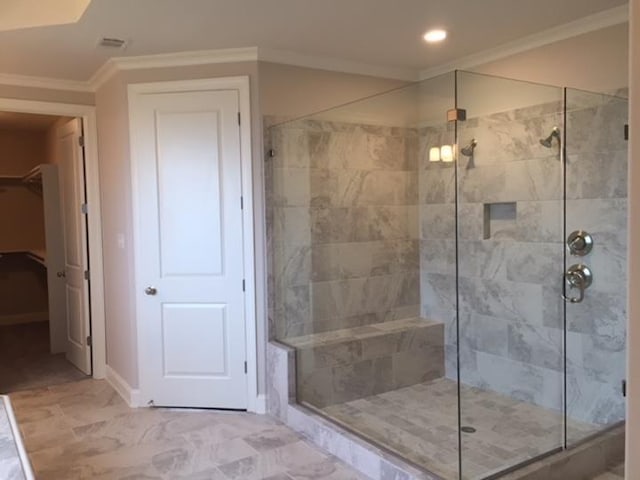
17	439
242	85
96	266
597	21
120	385
261	404
336	64
178	59
45	82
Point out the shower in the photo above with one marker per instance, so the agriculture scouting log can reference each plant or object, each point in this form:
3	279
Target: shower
468	150
548	142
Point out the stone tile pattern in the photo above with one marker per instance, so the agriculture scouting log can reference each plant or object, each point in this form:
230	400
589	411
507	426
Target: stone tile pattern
10	464
508	431
342	225
84	430
364	456
510	310
344	365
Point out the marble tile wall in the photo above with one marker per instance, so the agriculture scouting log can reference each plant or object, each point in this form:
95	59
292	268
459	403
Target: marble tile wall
343	226
510	310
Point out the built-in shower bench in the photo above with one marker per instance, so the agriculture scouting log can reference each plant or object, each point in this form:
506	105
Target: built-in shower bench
344	365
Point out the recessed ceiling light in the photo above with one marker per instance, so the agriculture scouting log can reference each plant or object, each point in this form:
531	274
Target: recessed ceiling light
433	36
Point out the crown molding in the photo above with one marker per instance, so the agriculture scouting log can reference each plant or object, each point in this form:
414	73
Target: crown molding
590	23
167	60
335	64
44	82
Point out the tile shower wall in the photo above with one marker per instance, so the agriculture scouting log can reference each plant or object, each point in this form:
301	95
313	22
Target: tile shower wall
597	203
511	256
342	226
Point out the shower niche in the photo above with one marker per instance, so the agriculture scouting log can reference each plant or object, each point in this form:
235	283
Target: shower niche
417	264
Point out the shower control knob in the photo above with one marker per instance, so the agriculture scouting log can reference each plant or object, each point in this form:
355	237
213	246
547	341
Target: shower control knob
579	243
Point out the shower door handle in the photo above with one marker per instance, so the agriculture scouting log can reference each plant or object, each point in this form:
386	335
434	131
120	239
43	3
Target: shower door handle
577	277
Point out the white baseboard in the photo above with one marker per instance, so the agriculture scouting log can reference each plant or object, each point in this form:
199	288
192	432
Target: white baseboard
130	395
260	405
21	318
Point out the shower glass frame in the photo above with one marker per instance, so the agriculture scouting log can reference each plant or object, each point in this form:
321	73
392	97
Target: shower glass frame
314	283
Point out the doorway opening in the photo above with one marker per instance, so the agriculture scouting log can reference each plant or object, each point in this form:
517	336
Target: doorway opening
45	326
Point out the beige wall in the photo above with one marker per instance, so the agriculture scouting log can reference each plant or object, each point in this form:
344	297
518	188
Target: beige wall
633	364
289	91
45	95
596	61
21	211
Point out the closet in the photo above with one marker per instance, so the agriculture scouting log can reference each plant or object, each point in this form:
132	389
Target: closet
33	316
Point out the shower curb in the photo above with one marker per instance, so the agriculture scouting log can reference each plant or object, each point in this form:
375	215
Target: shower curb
354	451
585	460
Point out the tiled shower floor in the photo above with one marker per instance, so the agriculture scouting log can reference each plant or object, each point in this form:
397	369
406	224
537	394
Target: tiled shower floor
420	423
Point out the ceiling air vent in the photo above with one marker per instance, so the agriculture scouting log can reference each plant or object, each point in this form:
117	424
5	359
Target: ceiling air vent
110	42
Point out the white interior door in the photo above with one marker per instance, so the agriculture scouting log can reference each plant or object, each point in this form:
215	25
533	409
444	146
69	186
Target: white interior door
71	174
190	259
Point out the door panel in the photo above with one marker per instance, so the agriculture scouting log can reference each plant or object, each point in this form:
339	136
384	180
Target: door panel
71	157
187	155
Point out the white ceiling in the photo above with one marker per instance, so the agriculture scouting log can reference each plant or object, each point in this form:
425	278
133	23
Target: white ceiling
376	32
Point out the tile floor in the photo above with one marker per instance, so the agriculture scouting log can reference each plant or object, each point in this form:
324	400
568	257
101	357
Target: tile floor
420	423
25	361
84	430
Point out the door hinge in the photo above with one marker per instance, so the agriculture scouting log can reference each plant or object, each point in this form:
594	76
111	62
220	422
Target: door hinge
239	119
245	367
241	203
89	341
84	208
81	140
624	388
271	153
86	274
243	285
626	132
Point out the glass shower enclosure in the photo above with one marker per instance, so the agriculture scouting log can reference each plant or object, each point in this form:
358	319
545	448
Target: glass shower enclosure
448	259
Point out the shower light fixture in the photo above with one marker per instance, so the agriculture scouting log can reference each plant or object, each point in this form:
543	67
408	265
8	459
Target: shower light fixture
443	153
435	36
446	153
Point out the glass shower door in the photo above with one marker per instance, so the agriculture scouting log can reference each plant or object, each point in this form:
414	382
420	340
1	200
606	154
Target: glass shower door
509	177
596	234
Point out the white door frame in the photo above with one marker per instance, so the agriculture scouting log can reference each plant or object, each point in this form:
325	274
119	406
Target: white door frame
88	115
241	84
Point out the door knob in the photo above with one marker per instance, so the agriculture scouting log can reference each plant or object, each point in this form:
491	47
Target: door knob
61	274
150	290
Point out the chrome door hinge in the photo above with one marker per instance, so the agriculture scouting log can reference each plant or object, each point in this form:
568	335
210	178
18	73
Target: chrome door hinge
84	208
86	274
241	203
239	119
245	367
244	285
81	140
89	341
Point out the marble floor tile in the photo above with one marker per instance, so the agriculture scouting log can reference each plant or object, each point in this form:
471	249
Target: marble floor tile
84	430
420	423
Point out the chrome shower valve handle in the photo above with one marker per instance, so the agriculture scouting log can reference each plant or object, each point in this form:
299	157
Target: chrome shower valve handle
579	277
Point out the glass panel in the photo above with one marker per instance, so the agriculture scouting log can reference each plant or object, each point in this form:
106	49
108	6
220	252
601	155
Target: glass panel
510	260
361	234
596	204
